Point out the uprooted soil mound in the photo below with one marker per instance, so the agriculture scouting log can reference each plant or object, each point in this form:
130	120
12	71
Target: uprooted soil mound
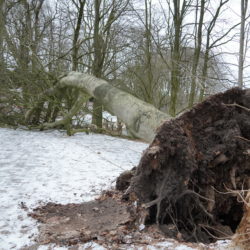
196	172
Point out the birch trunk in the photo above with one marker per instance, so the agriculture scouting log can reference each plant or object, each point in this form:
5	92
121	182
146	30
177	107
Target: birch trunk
141	118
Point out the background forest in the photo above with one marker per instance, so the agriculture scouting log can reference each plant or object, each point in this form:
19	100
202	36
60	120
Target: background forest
169	53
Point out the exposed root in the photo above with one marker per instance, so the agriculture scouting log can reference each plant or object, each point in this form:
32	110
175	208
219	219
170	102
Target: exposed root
239	106
242	138
184	176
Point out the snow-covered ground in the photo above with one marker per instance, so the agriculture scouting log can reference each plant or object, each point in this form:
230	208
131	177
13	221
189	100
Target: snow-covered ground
37	167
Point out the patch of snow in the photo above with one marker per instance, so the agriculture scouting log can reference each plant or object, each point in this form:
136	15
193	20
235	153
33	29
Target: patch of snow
164	244
111	118
83	120
225	245
51	246
183	247
141	227
38	167
86	119
92	245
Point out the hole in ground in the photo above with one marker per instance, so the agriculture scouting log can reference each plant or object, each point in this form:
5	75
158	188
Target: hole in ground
233	217
190	223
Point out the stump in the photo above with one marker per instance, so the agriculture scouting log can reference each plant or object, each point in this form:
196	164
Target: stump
191	176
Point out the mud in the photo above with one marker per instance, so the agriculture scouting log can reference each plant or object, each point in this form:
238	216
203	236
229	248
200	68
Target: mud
78	223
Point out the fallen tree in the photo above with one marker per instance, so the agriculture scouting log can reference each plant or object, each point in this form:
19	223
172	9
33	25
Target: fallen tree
193	179
141	118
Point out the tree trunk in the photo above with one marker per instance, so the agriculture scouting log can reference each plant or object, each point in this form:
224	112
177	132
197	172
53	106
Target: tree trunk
196	57
244	4
1	33
141	118
75	45
175	70
98	62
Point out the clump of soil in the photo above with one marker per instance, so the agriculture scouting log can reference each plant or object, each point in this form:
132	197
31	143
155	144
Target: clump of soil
196	171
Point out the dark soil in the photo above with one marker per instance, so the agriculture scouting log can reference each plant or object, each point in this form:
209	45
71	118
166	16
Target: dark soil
190	174
77	223
109	221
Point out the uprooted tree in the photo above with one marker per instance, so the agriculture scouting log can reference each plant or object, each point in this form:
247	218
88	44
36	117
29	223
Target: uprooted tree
141	118
195	174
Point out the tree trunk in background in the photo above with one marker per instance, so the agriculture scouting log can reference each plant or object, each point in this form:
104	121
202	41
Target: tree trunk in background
178	16
1	33
244	4
36	36
97	64
148	52
141	118
75	46
196	55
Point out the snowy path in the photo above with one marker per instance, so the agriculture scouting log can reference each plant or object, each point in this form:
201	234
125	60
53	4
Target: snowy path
50	166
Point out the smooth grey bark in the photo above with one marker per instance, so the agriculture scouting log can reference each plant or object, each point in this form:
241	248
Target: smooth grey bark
141	118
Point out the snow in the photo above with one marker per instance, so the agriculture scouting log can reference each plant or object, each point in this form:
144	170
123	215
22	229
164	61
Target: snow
38	167
86	119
